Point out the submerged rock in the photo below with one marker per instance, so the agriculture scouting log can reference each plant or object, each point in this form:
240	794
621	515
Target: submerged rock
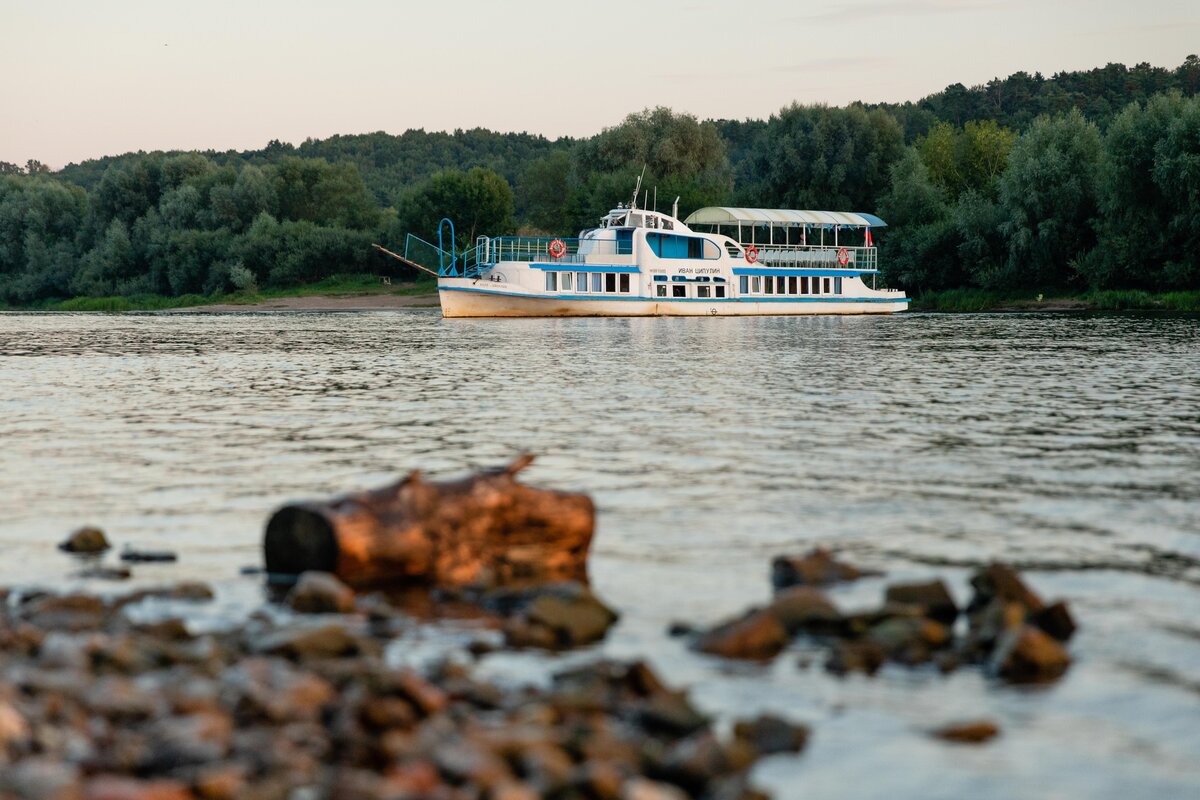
147	556
85	540
972	732
1056	620
770	734
863	656
759	635
321	593
817	567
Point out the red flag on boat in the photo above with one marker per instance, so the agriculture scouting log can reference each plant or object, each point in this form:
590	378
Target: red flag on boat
869	238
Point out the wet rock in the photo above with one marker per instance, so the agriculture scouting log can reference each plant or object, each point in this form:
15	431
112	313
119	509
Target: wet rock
803	608
464	761
1029	655
817	567
769	734
644	789
1056	620
863	656
972	732
222	781
423	695
199	738
72	612
115	787
85	540
671	713
325	641
321	593
1001	582
758	635
40	779
694	762
677	629
909	641
106	573
562	617
14	729
187	591
274	690
138	556
932	598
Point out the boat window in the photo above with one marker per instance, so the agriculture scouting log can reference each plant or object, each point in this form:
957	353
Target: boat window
743	284
792	285
635	220
720	290
566	281
610	281
754	284
803	284
666	245
837	285
581	281
678	291
827	286
733	250
816	285
662	290
597	282
624	282
769	285
668	225
779	281
551	281
703	291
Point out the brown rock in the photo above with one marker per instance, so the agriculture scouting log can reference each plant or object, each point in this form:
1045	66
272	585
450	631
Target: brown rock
571	614
758	635
106	573
226	781
817	567
73	612
803	608
972	732
1029	655
85	540
769	734
644	789
1000	581
426	697
14	730
326	641
671	713
909	640
855	656
274	690
114	787
932	597
1056	620
321	593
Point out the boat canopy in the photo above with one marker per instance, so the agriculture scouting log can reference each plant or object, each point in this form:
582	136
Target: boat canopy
784	217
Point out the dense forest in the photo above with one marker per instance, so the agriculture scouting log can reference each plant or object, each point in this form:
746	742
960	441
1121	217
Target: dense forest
1083	180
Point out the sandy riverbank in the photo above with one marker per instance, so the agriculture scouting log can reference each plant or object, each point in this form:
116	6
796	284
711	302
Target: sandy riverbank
358	302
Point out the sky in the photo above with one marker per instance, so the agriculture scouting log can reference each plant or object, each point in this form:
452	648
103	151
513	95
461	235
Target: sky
80	80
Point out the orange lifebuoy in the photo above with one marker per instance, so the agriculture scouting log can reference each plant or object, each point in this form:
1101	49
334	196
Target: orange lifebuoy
752	254
557	249
843	256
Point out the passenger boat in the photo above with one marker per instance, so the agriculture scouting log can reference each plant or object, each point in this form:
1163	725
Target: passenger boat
720	261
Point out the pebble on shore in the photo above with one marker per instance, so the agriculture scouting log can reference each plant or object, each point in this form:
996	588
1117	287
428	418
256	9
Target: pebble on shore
85	540
94	705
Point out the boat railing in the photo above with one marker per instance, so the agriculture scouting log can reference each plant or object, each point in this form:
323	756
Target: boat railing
548	249
818	256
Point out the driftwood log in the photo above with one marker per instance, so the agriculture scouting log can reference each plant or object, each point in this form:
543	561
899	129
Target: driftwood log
486	529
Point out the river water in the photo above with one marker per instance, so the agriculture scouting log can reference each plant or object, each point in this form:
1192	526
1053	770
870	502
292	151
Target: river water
923	445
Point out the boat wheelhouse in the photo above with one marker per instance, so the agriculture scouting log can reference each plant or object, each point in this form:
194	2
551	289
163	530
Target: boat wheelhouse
720	261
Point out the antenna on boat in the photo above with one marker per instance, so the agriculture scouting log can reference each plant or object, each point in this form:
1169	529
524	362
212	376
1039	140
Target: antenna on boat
656	199
637	188
675	208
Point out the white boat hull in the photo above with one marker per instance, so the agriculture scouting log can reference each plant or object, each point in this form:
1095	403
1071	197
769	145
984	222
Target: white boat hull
466	298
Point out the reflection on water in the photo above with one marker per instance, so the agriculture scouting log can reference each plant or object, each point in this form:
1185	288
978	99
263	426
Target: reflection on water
918	444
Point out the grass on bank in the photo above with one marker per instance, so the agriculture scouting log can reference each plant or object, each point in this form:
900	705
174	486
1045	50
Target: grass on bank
958	301
333	286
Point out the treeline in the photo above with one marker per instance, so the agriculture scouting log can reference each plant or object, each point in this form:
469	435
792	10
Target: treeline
1082	180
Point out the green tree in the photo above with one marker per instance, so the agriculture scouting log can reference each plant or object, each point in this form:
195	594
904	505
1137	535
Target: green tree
479	202
1048	195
